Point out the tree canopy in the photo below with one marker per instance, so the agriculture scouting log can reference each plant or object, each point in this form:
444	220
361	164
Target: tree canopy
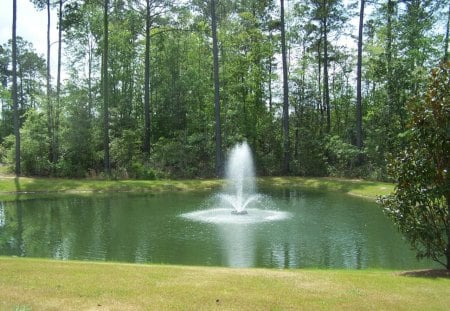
138	98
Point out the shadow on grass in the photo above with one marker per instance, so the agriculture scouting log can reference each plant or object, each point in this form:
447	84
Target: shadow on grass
429	273
357	187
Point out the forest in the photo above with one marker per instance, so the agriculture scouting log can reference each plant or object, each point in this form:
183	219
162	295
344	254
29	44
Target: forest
152	89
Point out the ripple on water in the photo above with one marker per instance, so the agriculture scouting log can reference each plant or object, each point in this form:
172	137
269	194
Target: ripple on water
225	216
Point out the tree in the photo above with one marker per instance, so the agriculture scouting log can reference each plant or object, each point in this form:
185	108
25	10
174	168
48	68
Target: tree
105	85
324	19
218	130
447	30
286	143
110	72
41	4
147	128
359	135
420	204
14	90
81	37
58	85
390	11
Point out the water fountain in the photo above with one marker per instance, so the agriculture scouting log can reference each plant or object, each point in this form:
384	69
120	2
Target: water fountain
239	203
240	176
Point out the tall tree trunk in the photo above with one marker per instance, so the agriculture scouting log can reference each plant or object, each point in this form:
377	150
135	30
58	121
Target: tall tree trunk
58	83
286	145
446	36
50	116
390	95
90	92
299	115
326	87
359	135
218	130
107	166
448	232
14	90
147	128
270	75
319	82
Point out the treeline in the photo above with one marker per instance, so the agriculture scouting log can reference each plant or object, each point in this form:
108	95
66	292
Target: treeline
135	95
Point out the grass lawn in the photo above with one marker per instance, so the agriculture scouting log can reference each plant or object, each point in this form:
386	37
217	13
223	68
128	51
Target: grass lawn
35	284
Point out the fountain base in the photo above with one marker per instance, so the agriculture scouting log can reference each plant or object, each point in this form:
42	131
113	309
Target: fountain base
225	216
239	213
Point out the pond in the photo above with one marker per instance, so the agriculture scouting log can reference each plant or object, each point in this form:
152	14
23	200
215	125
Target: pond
324	229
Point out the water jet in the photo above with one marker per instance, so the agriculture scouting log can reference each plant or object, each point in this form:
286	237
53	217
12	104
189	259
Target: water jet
239	203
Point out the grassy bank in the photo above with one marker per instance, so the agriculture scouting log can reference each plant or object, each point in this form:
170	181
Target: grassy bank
355	187
31	284
10	187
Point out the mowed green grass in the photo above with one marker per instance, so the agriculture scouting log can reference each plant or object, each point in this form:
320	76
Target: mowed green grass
29	184
24	187
35	284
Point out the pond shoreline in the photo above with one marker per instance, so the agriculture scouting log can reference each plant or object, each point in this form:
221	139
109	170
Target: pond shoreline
12	188
29	283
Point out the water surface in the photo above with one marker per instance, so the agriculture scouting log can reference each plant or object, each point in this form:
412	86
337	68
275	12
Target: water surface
326	230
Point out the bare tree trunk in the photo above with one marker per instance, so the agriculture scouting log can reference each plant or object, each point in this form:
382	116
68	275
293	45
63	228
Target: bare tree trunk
58	83
446	36
359	138
270	77
14	90
286	145
218	130
326	87
448	232
106	91
319	82
50	116
390	95
147	128
90	92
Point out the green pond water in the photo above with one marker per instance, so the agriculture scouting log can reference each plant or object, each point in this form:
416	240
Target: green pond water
326	230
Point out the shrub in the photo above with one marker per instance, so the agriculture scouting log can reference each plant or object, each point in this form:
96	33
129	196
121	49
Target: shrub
420	205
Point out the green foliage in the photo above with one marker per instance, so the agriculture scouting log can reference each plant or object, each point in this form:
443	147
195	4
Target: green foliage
310	158
182	156
34	145
420	205
341	157
401	40
78	156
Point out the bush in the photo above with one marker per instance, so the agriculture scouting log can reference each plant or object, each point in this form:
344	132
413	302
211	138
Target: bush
183	157
139	170
341	157
34	146
420	205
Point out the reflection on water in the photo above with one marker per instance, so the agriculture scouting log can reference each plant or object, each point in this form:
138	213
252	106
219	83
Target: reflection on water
2	215
238	245
324	230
